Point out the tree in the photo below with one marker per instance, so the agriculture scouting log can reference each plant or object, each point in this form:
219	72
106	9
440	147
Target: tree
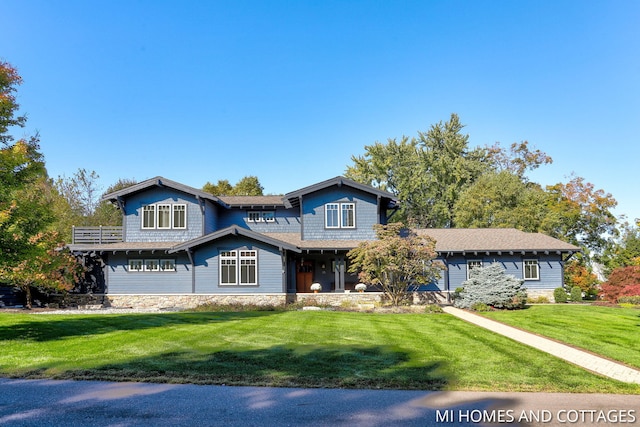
501	200
247	186
579	273
397	262
48	266
427	173
106	213
81	191
518	159
493	287
29	256
581	214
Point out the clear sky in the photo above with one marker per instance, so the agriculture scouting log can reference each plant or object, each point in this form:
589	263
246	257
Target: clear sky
288	91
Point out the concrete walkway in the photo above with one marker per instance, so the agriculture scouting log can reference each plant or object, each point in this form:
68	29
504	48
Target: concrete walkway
581	358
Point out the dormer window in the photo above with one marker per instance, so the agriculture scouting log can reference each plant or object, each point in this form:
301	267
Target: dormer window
261	216
164	216
340	215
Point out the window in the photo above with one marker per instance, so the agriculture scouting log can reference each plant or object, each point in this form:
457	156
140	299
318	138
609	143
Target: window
138	265
239	267
531	269
340	215
135	265
332	213
348	215
151	265
471	264
149	216
179	216
261	216
248	264
228	268
167	265
164	216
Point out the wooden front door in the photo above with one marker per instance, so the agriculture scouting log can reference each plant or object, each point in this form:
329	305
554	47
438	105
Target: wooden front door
304	276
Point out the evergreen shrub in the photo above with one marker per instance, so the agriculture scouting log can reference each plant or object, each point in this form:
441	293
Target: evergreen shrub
560	295
576	294
492	286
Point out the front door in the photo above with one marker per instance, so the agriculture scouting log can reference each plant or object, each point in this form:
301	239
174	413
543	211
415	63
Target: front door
304	276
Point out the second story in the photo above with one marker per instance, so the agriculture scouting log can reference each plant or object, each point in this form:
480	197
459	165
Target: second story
162	210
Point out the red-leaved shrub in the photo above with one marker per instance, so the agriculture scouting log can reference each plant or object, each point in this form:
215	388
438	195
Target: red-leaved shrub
623	281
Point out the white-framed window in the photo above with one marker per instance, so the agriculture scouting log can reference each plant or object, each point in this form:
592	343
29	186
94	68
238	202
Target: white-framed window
228	266
167	265
531	269
348	211
179	216
340	215
139	265
151	265
248	267
164	216
471	264
332	215
261	216
149	216
136	265
239	267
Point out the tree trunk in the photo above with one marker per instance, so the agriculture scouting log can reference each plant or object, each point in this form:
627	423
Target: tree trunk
27	295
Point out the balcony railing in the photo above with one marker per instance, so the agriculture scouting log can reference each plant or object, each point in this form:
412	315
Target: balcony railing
97	235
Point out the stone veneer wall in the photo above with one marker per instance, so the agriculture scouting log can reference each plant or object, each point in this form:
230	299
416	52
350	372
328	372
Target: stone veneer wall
186	301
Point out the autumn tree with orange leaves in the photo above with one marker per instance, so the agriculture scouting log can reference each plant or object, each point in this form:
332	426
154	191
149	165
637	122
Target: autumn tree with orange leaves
30	256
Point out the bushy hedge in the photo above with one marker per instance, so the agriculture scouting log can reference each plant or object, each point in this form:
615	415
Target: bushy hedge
576	294
491	286
560	295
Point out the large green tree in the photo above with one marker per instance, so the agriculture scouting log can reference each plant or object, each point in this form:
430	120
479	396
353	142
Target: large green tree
427	173
247	186
502	200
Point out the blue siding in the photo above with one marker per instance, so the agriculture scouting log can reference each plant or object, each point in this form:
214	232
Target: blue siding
550	269
121	281
133	216
314	214
270	270
211	217
286	220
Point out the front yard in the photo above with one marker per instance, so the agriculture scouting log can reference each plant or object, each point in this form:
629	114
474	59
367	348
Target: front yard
290	348
607	331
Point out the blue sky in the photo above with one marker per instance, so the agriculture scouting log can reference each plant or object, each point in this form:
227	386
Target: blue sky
288	91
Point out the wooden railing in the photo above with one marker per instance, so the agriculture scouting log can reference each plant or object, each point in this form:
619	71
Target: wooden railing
97	235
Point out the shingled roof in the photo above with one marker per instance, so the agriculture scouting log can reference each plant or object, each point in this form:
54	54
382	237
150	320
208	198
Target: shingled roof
493	239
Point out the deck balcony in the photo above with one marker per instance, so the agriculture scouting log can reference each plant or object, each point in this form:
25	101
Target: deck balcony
97	235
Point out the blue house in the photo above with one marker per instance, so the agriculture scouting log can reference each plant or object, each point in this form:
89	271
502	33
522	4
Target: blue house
180	241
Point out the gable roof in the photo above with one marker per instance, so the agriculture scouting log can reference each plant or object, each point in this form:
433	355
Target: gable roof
160	181
234	230
292	199
493	240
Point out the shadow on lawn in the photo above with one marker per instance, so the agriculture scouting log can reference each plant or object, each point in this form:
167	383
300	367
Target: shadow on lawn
53	327
280	366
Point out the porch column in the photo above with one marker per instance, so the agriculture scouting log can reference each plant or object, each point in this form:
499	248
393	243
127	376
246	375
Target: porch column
339	274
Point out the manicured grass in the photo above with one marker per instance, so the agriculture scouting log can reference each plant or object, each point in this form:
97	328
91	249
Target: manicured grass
609	331
307	349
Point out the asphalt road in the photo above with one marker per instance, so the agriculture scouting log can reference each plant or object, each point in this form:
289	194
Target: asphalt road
91	403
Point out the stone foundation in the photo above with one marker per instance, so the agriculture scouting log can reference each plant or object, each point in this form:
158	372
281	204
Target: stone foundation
187	301
534	294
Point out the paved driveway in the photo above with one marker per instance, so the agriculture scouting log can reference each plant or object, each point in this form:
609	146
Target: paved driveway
91	403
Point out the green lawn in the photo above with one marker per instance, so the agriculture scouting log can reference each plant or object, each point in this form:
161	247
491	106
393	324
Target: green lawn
608	331
292	348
